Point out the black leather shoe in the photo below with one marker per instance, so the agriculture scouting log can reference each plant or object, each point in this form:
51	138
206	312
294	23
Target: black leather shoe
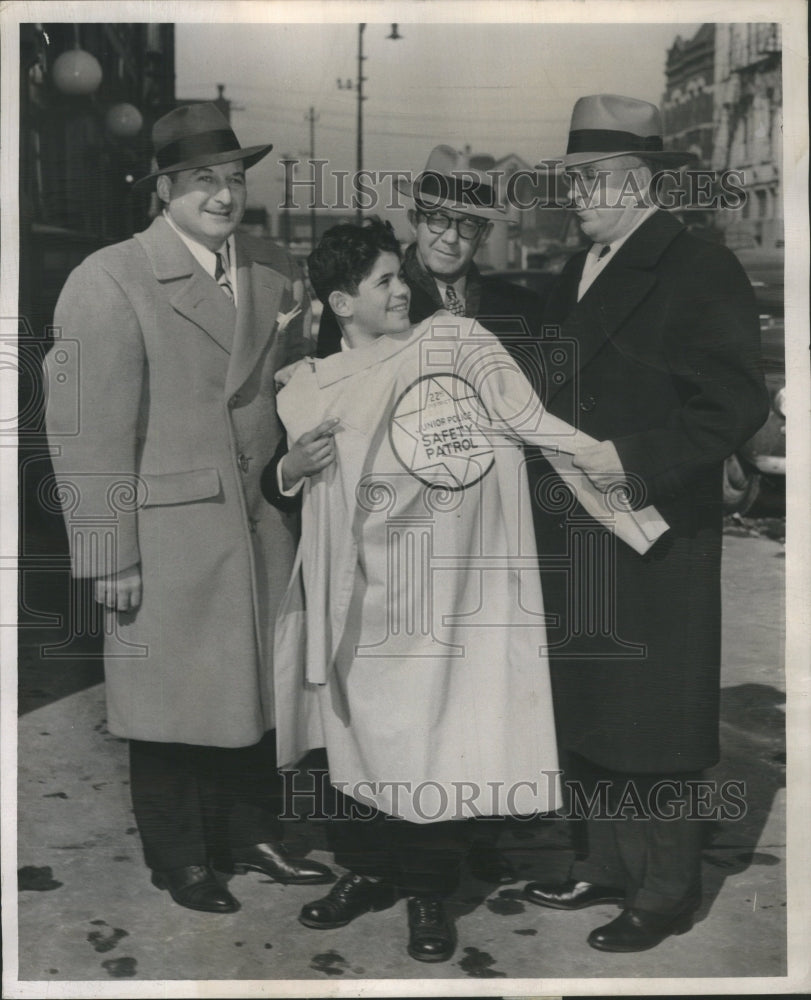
490	865
272	860
351	896
571	895
196	887
638	930
430	933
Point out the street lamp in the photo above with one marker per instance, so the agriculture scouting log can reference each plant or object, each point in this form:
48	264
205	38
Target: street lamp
123	121
76	72
394	36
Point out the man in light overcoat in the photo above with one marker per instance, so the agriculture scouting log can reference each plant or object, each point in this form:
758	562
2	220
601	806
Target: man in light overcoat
178	333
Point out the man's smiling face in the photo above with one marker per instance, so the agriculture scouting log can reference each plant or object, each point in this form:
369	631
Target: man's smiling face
441	250
206	203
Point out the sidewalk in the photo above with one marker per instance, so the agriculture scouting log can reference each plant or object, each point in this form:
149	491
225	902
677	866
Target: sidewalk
87	910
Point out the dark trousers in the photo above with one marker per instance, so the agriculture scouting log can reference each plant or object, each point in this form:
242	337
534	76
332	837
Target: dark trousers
418	858
192	802
656	860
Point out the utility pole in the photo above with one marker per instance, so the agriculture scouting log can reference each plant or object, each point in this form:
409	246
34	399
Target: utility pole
361	29
347	85
312	118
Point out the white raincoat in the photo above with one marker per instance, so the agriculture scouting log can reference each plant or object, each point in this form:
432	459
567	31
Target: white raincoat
409	642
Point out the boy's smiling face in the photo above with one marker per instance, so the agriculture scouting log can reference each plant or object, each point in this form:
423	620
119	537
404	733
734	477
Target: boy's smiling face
381	303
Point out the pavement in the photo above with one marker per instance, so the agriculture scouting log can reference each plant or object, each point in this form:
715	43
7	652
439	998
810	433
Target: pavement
91	924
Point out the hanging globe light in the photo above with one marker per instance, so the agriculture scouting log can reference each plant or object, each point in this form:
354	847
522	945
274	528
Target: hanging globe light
123	120
76	72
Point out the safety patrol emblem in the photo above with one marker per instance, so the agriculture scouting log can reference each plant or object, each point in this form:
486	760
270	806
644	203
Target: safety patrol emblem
434	432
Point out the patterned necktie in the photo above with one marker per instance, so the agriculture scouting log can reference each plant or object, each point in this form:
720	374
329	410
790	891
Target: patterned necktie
453	302
221	276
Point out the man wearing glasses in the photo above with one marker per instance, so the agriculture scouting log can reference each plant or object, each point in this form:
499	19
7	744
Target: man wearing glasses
453	214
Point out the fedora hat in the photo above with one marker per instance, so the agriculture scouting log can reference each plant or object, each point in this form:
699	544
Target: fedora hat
198	135
449	181
607	125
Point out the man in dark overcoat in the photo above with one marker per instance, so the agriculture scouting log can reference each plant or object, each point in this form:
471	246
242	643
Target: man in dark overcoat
161	416
661	332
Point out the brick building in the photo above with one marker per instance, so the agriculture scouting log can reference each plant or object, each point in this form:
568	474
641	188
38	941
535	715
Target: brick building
688	104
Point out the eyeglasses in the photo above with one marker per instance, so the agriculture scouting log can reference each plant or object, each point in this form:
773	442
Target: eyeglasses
467	229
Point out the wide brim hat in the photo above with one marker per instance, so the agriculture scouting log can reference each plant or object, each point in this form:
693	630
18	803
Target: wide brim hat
198	135
450	182
608	125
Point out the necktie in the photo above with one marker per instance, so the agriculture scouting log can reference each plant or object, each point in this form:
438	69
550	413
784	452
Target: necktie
606	249
221	276
453	302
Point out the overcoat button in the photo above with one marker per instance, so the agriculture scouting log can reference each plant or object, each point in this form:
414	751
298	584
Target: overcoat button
243	462
234	401
587	403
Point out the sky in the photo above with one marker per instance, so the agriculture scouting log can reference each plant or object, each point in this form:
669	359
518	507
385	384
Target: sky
497	88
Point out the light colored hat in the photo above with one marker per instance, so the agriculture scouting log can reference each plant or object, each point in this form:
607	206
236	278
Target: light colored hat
198	135
606	125
449	181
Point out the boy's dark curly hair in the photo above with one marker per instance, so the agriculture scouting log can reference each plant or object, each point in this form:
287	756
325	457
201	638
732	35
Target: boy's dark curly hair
347	253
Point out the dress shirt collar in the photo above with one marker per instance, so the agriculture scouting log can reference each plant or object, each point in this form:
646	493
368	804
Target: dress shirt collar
616	244
206	258
594	263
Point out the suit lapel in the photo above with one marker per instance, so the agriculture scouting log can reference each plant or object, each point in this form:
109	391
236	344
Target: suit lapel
563	297
612	297
192	292
260	292
616	293
200	300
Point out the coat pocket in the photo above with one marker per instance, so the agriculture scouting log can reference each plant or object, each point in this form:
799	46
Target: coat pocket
180	487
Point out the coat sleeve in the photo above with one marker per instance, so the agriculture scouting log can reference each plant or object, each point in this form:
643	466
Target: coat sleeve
712	346
515	412
95	376
270	483
512	407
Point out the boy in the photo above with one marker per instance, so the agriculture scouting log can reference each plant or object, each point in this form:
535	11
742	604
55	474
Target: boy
419	662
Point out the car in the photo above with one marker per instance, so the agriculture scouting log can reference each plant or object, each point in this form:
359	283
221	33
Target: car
760	465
